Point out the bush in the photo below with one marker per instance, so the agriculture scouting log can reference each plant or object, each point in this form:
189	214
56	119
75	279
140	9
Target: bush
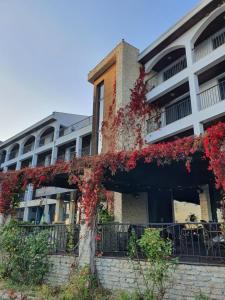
158	252
25	254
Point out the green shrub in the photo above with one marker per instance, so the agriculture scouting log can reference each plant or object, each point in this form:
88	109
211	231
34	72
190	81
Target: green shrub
25	254
158	252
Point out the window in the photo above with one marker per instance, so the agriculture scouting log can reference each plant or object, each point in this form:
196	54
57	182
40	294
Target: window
100	99
222	88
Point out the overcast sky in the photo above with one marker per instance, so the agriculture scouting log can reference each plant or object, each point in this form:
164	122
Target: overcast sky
47	48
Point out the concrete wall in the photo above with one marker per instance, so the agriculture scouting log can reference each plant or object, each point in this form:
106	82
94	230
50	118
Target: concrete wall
187	282
129	208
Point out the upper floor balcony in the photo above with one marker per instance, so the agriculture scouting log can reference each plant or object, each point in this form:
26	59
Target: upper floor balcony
74	127
29	145
2	156
14	152
212	37
47	137
210	44
212	95
170	114
167	73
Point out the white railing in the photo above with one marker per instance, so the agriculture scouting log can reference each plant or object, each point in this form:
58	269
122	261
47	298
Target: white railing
209	45
28	148
13	154
170	71
170	114
46	140
212	96
78	125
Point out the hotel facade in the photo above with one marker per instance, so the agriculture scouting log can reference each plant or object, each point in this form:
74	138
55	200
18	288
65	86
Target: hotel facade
58	137
186	79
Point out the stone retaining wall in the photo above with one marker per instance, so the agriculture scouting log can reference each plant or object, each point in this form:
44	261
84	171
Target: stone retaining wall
187	282
61	267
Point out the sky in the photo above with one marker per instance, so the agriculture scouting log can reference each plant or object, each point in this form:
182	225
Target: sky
47	48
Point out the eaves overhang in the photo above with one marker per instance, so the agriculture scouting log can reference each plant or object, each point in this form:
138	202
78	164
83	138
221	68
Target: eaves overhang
202	10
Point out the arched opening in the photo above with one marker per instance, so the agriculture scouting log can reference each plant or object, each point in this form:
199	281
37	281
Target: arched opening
2	156
14	151
168	66
47	136
211	38
29	145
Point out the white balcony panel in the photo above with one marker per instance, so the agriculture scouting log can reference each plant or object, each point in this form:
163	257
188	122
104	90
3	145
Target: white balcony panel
74	135
171	129
168	85
210	60
209	45
212	112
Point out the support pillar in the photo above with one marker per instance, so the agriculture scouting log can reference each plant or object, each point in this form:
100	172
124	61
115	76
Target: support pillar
206	212
78	146
59	209
46	214
26	214
72	207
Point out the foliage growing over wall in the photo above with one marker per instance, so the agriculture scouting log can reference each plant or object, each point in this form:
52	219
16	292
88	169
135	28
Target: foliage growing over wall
125	128
25	255
87	173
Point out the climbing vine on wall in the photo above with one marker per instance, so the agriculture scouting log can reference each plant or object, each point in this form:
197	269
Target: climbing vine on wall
125	128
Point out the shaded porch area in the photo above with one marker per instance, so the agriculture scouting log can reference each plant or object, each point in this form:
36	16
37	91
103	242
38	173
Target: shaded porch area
184	206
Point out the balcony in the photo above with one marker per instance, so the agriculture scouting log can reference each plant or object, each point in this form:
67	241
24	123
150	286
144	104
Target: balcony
2	157
209	45
46	140
170	114
85	151
77	126
167	73
212	96
28	148
13	154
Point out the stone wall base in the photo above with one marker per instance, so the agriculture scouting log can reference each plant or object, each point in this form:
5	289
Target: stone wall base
187	282
61	267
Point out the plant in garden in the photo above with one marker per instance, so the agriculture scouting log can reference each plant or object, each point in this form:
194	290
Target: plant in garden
25	254
158	252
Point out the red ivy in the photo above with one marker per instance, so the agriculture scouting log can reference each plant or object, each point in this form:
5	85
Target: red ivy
90	183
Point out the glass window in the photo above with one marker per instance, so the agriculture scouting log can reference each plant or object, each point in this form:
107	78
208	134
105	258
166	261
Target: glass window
100	90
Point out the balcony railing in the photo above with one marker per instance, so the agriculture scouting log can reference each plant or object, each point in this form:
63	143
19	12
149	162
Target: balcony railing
2	159
210	44
61	238
170	114
212	96
46	140
77	126
13	154
195	242
85	151
28	148
167	73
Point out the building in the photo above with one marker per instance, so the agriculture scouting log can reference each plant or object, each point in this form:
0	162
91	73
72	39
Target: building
186	79
57	137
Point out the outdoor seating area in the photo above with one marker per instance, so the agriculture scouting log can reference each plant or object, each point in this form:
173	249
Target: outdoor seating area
191	242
